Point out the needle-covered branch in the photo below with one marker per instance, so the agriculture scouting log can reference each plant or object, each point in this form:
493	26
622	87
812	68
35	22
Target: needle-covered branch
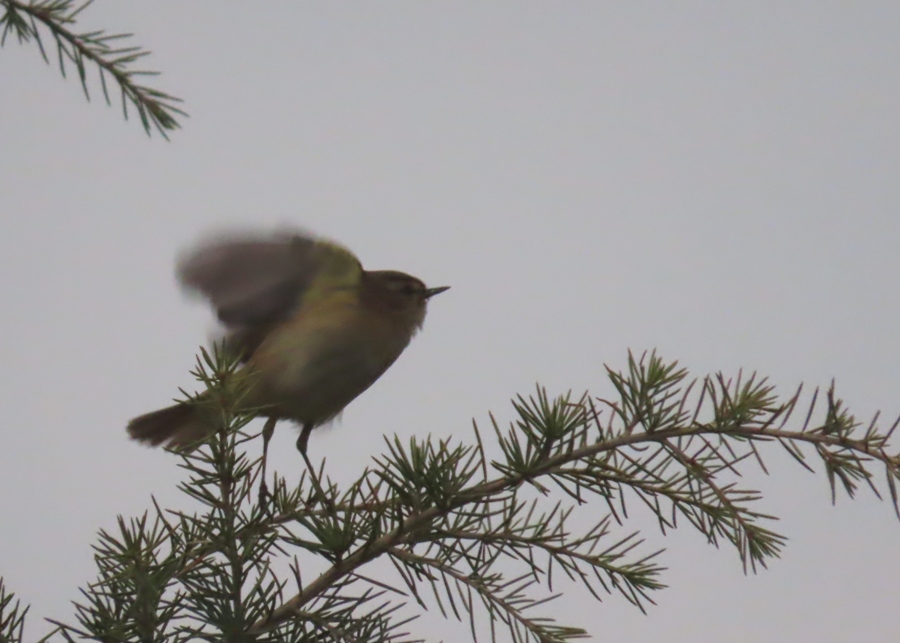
482	540
12	616
156	109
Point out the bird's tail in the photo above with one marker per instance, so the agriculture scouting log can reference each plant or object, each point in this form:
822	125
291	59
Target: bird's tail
177	426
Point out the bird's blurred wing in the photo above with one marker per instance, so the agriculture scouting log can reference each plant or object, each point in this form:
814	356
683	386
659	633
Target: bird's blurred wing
259	280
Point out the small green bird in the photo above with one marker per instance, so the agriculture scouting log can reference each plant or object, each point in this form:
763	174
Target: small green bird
309	323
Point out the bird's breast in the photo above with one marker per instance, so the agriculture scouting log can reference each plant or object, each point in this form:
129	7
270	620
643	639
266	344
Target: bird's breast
314	364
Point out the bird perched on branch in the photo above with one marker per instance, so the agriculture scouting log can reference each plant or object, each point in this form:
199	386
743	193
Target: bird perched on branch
313	327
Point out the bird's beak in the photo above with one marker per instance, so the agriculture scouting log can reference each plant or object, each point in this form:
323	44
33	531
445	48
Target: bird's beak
431	292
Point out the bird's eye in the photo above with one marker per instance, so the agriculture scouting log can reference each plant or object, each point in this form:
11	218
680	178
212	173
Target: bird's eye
403	284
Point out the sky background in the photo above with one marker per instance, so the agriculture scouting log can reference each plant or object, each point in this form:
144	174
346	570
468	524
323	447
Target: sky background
718	181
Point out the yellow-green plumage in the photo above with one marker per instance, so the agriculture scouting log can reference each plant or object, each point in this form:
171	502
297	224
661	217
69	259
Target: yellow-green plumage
314	364
314	329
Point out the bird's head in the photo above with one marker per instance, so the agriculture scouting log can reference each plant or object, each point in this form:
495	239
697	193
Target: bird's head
398	294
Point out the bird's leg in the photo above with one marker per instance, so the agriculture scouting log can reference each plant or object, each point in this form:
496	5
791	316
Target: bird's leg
303	440
268	430
302	443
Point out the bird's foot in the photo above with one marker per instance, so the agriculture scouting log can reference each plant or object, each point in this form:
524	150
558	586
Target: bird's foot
320	494
265	497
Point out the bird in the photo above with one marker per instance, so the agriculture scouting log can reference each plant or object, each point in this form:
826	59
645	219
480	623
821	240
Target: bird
302	316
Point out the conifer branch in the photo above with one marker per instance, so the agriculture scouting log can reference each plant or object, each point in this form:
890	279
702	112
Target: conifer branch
482	541
156	109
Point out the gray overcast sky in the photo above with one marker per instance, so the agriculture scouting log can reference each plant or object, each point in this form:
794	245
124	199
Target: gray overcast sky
715	180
